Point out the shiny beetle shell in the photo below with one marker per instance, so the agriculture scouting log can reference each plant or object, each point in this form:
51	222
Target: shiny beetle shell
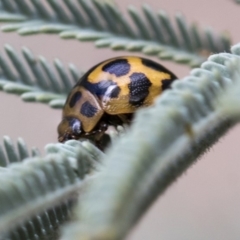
115	87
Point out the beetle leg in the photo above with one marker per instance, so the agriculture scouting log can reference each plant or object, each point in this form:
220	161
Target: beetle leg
101	129
100	134
103	126
125	118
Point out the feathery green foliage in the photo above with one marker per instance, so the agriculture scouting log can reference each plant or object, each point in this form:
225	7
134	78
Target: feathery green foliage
43	189
43	85
102	22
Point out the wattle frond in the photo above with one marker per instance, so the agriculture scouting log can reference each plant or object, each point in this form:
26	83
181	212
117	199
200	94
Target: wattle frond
150	32
36	80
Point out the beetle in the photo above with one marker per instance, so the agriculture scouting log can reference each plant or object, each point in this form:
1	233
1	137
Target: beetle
109	94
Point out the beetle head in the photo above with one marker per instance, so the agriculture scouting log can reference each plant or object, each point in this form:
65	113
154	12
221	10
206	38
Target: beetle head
69	128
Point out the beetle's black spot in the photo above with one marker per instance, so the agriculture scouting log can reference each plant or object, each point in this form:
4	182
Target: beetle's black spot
166	84
74	99
99	88
139	88
102	88
88	110
75	125
119	67
114	92
157	67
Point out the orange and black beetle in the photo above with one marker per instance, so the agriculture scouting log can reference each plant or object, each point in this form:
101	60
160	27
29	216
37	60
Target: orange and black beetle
109	93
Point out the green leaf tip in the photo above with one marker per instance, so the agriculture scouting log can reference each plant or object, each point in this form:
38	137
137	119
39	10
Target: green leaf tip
8	17
9	154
